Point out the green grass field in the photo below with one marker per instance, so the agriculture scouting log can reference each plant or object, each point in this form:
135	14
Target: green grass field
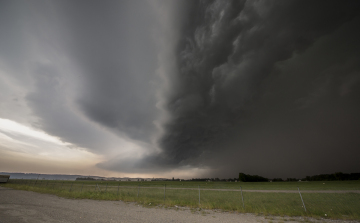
317	185
334	205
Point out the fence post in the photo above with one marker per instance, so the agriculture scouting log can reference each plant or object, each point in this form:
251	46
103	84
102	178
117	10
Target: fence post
82	187
118	190
138	190
95	186
46	183
302	199
36	179
61	185
106	187
71	187
199	194
242	198
164	191
98	187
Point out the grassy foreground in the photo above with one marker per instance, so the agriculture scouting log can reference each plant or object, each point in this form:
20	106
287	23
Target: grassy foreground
335	206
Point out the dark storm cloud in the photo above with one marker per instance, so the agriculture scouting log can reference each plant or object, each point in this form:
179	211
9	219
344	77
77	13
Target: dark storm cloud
262	87
227	57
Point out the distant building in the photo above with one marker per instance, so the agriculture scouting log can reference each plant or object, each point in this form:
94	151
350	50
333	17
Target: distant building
4	178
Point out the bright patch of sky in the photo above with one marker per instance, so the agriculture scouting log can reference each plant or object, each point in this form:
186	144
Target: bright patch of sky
22	141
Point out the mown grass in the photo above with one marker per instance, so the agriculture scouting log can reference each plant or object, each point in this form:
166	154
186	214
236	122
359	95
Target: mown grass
335	206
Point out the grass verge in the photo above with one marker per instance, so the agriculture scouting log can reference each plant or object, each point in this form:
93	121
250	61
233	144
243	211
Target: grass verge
318	205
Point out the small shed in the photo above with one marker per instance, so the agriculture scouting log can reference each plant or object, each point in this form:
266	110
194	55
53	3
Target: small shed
4	178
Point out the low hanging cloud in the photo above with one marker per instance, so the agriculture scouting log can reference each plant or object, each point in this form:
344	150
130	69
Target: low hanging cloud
195	88
220	69
72	77
117	59
227	55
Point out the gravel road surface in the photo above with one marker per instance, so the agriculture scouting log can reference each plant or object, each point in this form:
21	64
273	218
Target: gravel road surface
31	207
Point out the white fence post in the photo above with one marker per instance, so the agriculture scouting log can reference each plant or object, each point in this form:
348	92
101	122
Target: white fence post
164	191
302	199
71	187
199	194
242	197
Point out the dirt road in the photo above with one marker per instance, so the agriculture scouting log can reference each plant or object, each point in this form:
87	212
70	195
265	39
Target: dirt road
31	207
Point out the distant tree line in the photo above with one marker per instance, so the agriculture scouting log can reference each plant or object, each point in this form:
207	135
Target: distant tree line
333	177
84	178
251	178
322	177
213	179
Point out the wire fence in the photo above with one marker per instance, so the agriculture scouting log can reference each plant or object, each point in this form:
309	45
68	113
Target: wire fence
292	203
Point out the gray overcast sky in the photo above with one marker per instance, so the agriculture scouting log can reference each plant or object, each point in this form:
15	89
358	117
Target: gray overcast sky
180	88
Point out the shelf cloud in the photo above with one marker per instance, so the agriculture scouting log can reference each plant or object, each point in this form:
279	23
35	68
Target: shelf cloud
188	88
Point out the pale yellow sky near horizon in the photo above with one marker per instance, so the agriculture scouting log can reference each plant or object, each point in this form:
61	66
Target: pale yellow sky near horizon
24	149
